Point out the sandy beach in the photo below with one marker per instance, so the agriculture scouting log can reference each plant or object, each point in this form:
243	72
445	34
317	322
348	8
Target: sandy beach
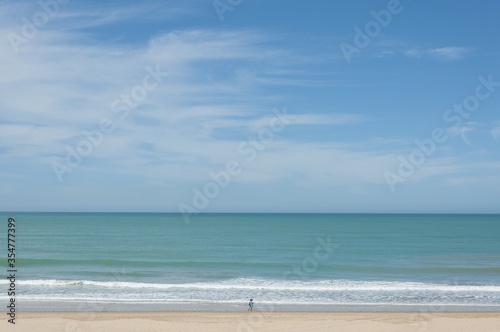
254	321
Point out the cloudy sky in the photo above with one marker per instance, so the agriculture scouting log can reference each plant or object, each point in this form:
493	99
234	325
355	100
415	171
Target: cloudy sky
272	106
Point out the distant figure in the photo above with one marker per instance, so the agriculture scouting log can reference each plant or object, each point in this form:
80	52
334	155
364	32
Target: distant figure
250	305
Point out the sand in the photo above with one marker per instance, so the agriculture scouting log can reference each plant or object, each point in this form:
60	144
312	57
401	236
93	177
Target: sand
254	321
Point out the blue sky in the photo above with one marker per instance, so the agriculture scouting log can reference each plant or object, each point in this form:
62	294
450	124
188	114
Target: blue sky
134	106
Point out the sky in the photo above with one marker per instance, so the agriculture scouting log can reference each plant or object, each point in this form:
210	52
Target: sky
199	106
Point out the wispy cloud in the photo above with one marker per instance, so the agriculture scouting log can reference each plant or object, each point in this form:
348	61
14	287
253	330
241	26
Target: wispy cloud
384	54
462	131
390	48
55	89
449	53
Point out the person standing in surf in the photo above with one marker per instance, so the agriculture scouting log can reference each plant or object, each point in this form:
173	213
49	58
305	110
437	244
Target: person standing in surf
250	305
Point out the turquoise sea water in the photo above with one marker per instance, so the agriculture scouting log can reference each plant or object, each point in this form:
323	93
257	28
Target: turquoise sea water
157	261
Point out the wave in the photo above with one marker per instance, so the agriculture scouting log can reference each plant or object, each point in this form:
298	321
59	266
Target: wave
249	284
328	292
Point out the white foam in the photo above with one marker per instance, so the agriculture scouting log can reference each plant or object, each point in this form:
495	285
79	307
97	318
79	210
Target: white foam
245	284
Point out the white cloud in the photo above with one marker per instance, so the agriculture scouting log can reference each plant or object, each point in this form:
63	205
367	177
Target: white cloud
444	53
56	87
413	53
384	54
462	131
449	53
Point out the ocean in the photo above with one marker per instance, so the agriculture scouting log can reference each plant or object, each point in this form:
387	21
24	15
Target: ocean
155	261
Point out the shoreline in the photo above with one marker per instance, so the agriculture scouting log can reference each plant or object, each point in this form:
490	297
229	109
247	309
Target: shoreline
255	321
235	307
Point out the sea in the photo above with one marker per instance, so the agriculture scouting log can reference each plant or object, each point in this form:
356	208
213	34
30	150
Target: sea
337	262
